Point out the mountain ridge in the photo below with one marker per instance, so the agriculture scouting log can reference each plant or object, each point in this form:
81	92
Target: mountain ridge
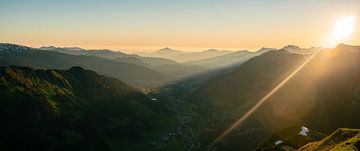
135	74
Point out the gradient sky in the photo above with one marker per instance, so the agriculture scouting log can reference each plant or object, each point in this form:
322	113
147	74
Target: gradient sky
144	25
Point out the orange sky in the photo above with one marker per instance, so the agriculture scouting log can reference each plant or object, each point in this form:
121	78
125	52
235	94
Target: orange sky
187	26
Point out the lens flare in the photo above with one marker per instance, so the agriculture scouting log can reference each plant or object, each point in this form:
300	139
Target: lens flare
261	101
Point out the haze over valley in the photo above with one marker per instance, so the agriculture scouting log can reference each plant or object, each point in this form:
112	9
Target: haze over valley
203	75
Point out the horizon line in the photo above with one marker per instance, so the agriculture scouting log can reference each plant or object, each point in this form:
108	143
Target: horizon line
156	48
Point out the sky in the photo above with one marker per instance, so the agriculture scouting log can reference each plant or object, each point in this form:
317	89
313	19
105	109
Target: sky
189	25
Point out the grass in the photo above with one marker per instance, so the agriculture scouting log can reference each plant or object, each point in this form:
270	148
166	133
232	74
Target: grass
343	139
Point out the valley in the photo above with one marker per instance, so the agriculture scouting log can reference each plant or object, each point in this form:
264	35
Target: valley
89	111
179	75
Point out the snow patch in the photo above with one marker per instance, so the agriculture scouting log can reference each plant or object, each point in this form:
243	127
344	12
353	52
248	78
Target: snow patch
304	131
278	142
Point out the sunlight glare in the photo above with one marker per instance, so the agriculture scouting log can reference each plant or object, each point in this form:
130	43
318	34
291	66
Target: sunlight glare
342	31
344	27
261	101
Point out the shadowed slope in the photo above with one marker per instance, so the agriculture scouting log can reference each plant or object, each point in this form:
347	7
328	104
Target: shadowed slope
75	109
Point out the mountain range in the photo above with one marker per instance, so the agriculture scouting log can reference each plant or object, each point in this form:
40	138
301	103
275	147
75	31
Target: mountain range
228	60
323	95
185	56
170	68
11	54
76	99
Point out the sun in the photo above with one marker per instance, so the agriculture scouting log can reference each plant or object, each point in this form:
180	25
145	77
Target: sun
343	28
342	31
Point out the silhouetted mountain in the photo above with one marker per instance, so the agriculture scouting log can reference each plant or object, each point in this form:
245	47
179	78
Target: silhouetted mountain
228	60
155	62
75	109
130	73
65	50
239	86
304	51
167	50
132	60
226	97
109	54
342	47
11	49
323	95
105	53
185	56
170	68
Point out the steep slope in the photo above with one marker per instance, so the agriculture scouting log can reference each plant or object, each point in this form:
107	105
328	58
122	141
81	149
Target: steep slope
342	139
323	95
130	73
239	86
75	109
226	97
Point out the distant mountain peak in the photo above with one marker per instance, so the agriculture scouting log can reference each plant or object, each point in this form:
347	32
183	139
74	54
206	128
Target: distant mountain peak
47	47
291	47
105	53
212	50
165	49
76	68
13	48
8	45
168	50
242	51
54	47
277	52
265	49
100	51
343	46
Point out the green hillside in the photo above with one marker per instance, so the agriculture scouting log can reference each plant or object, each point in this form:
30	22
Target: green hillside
290	138
74	109
343	139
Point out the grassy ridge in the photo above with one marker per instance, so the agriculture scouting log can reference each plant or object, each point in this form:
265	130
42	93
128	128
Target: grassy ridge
73	109
343	139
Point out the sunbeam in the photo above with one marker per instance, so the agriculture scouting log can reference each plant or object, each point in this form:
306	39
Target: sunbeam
261	101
